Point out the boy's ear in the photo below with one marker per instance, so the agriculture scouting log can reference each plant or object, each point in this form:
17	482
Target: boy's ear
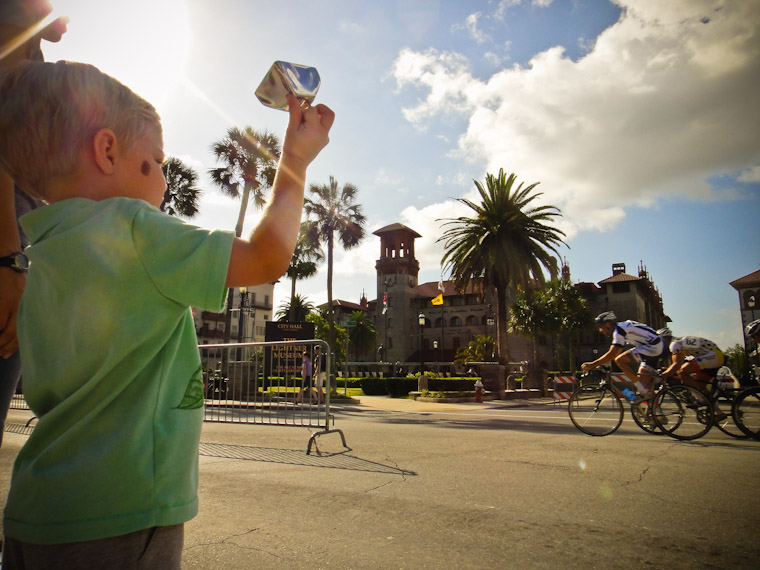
104	150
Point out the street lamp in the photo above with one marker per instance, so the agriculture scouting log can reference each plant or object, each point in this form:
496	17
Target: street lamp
241	320
421	321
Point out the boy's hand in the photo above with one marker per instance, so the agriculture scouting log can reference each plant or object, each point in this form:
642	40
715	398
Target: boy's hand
308	130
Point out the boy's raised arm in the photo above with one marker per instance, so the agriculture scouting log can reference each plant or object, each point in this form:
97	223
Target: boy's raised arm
266	254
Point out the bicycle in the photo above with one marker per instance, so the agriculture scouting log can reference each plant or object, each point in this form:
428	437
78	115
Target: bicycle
724	396
680	411
595	407
745	411
737	410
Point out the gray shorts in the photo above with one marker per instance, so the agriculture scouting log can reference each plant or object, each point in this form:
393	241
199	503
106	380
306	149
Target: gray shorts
157	548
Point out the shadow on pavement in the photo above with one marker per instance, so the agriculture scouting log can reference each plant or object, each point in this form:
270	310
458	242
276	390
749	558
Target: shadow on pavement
292	457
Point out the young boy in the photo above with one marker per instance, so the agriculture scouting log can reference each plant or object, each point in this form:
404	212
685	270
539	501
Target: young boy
110	362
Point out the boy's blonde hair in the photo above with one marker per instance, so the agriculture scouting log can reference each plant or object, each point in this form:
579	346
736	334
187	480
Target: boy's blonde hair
49	112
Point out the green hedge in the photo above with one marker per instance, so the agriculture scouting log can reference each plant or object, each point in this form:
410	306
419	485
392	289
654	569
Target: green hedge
400	387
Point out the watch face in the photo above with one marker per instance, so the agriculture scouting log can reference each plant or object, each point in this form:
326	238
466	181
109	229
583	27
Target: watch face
16	261
21	262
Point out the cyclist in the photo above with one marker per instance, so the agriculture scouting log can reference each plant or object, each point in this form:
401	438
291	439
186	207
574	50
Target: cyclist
648	347
753	330
695	360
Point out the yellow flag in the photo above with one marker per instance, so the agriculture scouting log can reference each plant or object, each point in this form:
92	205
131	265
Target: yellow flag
438	300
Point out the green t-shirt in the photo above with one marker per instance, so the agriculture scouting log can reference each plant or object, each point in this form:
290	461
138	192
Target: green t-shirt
111	368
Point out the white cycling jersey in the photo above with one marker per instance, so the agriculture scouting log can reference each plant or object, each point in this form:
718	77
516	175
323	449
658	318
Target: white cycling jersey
635	334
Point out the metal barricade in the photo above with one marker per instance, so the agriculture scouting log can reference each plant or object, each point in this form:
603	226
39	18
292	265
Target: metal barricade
269	383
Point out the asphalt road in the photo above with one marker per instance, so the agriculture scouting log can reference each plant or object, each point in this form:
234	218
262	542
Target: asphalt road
495	485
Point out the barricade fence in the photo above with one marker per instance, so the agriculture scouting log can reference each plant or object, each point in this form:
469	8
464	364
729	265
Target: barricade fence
284	383
565	384
268	383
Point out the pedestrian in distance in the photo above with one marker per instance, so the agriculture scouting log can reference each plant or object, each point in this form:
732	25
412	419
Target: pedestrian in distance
108	347
306	375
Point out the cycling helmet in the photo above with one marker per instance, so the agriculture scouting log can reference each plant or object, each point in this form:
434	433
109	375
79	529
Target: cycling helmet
604	317
753	329
665	333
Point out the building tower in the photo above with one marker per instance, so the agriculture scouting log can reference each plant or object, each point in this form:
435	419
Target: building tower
397	271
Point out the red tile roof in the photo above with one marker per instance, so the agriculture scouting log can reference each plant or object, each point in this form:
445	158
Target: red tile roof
747	281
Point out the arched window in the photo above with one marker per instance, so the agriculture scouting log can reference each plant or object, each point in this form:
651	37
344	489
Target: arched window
439	322
472	320
456	322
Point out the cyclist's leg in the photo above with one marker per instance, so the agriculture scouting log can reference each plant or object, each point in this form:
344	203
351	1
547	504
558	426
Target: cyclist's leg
628	363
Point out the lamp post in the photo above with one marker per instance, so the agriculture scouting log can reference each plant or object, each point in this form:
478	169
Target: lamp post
241	319
421	321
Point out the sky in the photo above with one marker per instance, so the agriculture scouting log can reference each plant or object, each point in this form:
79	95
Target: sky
639	119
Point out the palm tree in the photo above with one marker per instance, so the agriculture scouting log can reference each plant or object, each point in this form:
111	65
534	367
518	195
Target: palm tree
334	211
478	349
250	163
363	334
506	243
182	192
297	308
303	264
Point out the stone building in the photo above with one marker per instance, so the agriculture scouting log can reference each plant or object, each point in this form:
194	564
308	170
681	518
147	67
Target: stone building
251	309
748	288
401	300
630	297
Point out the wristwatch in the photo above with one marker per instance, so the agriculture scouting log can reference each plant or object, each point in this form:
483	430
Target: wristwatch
16	261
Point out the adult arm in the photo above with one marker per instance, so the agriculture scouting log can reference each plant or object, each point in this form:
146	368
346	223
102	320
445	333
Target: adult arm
11	282
608	356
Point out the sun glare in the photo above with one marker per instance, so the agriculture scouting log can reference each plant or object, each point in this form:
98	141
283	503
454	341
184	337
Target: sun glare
143	43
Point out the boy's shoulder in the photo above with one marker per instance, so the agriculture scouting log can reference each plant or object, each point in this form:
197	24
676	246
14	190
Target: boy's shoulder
73	212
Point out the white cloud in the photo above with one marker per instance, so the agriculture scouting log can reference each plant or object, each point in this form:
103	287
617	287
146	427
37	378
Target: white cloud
350	28
750	175
665	99
476	33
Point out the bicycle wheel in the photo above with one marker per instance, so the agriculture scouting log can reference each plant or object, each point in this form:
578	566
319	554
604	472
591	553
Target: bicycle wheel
644	418
683	412
724	419
746	411
595	410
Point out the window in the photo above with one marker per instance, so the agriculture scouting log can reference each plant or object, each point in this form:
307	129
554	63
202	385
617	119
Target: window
439	322
472	320
455	343
456	322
